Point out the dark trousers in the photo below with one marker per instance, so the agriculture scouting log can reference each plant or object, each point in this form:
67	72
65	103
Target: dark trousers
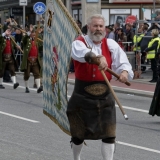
154	69
6	76
8	66
34	68
143	57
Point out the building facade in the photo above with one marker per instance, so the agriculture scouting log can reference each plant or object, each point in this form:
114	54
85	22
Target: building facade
12	8
118	10
113	10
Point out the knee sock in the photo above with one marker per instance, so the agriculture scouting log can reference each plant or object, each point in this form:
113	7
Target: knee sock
13	79
26	84
76	151
107	151
37	81
1	80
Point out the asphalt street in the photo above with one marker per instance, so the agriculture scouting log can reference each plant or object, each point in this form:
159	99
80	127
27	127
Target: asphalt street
27	134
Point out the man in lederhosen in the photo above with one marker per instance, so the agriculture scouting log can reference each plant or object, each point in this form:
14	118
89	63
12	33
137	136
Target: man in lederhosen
91	108
7	59
40	39
31	59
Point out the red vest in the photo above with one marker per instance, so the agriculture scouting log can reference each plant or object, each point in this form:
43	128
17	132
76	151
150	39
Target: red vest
33	51
7	49
90	72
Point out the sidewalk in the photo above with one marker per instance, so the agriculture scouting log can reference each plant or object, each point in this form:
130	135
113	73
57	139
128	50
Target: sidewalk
141	86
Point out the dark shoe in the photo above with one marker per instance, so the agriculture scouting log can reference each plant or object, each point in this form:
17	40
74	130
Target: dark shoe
150	80
15	85
1	86
34	86
27	90
40	89
153	81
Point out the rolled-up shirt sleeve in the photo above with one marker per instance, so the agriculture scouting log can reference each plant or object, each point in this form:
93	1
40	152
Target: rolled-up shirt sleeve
79	49
119	59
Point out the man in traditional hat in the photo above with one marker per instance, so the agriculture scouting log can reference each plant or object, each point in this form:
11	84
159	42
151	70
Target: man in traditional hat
31	59
91	108
7	58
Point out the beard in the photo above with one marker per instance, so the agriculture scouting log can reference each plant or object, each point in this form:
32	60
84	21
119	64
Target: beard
96	36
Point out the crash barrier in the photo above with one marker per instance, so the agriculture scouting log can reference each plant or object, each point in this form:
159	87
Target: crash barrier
18	57
132	59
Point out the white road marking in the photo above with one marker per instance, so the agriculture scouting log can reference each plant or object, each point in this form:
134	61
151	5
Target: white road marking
118	142
139	147
134	109
18	117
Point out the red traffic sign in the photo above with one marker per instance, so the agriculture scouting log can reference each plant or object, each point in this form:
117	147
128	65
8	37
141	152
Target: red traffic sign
130	19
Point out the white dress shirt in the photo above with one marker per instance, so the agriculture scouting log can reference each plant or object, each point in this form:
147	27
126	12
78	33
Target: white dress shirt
119	59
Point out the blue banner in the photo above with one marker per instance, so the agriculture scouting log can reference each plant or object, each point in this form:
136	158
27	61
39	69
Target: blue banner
59	33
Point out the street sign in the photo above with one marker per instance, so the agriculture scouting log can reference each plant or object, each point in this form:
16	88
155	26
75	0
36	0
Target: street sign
23	2
39	8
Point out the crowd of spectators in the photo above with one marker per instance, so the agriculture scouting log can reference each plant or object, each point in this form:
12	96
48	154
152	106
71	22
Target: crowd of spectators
135	38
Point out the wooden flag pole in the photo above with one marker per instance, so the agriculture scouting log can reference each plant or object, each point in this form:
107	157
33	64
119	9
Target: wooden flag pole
16	44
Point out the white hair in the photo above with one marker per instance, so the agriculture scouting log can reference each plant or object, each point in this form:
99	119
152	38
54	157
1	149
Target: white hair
89	20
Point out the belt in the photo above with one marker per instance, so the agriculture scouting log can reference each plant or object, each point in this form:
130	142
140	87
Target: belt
32	59
7	55
96	89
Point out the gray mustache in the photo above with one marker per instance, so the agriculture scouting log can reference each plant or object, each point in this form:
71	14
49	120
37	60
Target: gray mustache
97	33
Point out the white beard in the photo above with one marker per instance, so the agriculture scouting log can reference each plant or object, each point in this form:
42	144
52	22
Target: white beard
96	37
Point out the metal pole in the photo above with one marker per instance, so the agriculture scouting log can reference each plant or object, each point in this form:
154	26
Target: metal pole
154	4
24	15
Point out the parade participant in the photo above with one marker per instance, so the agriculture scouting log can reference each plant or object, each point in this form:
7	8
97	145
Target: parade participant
91	108
31	59
151	51
40	36
7	58
155	104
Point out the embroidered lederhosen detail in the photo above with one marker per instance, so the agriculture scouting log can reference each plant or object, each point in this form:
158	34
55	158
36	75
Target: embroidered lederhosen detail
96	89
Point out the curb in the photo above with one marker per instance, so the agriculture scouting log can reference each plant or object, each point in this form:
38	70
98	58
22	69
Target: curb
125	90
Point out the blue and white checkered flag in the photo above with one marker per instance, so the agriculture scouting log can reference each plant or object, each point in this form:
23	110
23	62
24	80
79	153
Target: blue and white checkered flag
59	32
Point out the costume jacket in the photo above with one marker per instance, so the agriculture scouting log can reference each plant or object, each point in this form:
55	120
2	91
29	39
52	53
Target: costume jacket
26	41
2	47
